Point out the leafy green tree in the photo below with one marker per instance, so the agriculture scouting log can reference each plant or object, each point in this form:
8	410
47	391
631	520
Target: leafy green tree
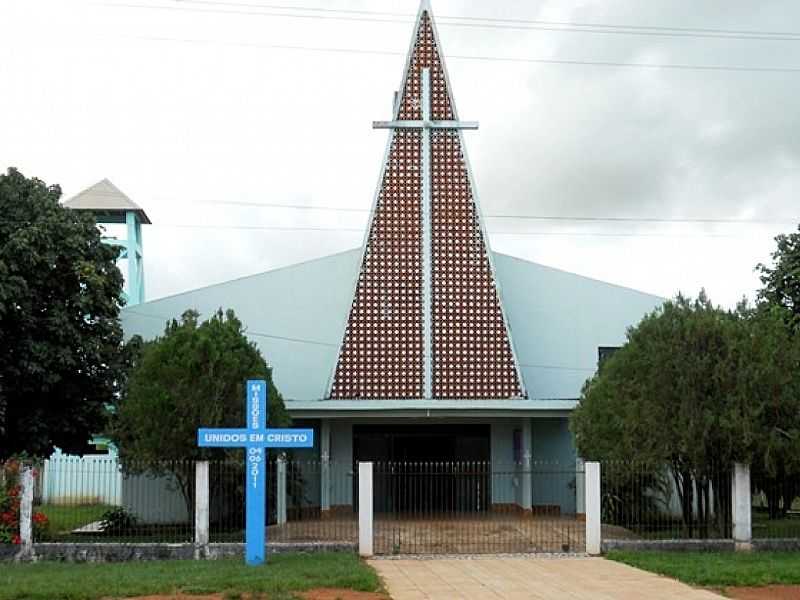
776	466
193	376
60	337
694	387
659	397
781	280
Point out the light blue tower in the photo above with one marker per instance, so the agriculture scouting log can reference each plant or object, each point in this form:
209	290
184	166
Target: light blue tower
112	207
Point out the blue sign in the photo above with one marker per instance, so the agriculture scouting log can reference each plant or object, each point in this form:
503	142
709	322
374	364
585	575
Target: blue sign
256	438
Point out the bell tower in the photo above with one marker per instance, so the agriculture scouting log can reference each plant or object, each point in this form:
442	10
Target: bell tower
110	206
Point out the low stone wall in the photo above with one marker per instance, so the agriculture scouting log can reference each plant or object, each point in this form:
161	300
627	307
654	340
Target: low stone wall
758	545
776	544
101	552
669	545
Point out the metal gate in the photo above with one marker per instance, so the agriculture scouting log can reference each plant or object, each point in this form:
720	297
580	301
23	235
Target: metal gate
477	508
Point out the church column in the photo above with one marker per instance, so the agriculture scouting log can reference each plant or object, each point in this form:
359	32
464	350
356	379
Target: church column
527	463
133	245
325	467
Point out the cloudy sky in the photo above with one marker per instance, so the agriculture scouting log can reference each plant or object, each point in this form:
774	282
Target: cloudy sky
189	105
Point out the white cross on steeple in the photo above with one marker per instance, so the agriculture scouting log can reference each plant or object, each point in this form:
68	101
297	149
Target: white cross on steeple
426	125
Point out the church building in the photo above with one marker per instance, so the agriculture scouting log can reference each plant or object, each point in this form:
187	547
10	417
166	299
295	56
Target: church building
423	344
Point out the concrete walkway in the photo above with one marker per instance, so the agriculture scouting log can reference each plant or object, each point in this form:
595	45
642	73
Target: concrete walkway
519	578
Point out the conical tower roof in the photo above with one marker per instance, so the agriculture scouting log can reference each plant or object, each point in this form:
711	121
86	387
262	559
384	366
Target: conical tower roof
426	320
105	198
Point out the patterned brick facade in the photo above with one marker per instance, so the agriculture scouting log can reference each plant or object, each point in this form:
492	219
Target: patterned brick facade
382	352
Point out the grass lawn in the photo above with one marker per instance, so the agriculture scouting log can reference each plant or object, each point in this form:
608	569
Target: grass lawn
64	518
284	573
764	527
718	568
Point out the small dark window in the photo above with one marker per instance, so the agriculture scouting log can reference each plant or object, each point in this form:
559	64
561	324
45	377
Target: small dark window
604	353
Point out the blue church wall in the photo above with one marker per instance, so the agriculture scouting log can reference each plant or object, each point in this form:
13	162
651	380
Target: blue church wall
308	301
554	478
553	474
342	463
304	467
296	316
506	477
559	319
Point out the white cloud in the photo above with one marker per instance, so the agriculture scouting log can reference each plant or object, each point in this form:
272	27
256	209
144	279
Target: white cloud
87	92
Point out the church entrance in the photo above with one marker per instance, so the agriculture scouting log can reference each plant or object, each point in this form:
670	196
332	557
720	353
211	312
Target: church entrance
426	468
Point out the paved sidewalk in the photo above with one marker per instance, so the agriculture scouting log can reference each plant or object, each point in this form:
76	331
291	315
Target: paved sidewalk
521	578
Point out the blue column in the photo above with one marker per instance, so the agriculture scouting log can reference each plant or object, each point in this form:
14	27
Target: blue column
133	244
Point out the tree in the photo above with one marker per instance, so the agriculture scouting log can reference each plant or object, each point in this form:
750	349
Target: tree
191	377
776	466
693	388
781	281
60	294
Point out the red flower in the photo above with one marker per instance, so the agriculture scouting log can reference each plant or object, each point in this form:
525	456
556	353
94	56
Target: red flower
7	518
39	518
16	540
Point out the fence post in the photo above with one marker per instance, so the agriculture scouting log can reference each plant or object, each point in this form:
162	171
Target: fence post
740	502
325	468
580	489
201	489
365	508
26	514
592	504
281	500
527	455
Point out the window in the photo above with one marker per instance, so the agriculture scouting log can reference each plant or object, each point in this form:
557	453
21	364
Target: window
604	353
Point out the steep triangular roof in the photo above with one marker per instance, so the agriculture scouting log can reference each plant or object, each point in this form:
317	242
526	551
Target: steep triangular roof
105	197
426	319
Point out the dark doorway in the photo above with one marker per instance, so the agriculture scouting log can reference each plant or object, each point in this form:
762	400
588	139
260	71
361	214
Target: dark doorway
426	468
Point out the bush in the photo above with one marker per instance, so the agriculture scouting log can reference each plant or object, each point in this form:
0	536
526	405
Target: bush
117	520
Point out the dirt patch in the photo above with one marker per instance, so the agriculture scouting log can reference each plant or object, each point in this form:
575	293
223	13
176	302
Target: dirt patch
177	597
767	592
315	594
182	597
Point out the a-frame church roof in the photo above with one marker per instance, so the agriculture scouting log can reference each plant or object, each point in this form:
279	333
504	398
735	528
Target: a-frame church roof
427	318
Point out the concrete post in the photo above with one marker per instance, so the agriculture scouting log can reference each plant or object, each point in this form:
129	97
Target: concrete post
580	488
592	503
365	508
527	458
741	509
325	467
281	500
26	481
201	508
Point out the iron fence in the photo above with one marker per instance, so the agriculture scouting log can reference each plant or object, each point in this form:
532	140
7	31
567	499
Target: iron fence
477	507
94	499
658	501
307	501
775	506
